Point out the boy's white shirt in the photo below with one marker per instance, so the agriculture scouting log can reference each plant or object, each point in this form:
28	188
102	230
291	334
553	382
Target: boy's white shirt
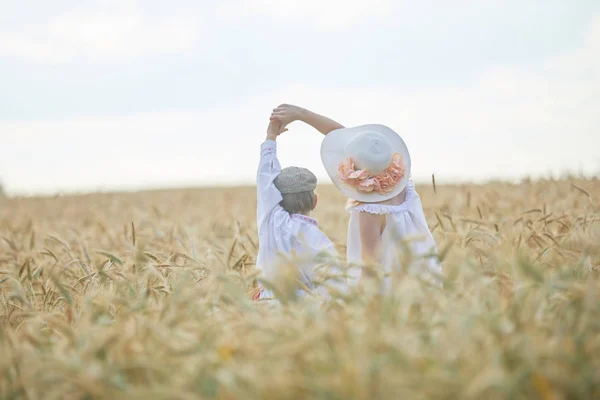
281	234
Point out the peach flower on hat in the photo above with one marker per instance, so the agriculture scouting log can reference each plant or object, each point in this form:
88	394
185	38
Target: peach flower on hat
362	181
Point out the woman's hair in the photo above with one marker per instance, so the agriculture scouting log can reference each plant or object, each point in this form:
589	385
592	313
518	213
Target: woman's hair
353	203
298	203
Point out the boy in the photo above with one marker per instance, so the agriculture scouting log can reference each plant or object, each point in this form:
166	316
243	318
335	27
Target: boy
285	199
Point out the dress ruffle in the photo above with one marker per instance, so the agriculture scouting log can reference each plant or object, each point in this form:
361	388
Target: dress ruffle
376	208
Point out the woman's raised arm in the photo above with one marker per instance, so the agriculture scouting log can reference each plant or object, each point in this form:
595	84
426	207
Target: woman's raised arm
287	113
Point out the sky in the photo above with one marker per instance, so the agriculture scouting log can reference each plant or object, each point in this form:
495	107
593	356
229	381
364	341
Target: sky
127	95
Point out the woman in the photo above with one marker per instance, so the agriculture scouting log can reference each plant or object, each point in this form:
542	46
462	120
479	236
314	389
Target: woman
370	164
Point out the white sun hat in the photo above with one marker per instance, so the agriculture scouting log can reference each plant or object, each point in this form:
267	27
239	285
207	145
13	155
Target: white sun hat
367	163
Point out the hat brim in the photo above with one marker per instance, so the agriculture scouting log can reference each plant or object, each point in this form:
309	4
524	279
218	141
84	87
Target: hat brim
332	155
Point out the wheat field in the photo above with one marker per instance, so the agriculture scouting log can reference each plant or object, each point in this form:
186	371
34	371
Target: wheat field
148	295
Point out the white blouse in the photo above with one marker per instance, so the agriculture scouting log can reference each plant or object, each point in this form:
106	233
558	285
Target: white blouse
283	235
404	222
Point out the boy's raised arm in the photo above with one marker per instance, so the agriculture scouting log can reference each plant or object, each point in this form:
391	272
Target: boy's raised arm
286	113
267	195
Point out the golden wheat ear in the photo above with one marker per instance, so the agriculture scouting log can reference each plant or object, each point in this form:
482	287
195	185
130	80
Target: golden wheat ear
93	305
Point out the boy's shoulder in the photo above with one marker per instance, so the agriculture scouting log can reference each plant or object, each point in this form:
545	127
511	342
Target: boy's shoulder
302	228
317	239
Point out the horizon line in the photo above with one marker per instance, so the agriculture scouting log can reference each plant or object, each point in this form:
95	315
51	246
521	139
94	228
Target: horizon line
124	189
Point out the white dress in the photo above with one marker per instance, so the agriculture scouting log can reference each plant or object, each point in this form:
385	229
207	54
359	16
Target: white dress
405	223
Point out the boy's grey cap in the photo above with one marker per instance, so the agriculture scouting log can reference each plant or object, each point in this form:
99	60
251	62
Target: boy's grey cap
295	180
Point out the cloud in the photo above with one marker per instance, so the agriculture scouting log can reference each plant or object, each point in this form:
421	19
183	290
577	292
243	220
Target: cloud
325	14
506	123
100	33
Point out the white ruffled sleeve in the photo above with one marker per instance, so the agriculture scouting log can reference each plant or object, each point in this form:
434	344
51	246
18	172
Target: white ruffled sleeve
376	208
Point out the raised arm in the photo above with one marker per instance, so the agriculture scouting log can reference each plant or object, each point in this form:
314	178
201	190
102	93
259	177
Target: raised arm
267	195
287	113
